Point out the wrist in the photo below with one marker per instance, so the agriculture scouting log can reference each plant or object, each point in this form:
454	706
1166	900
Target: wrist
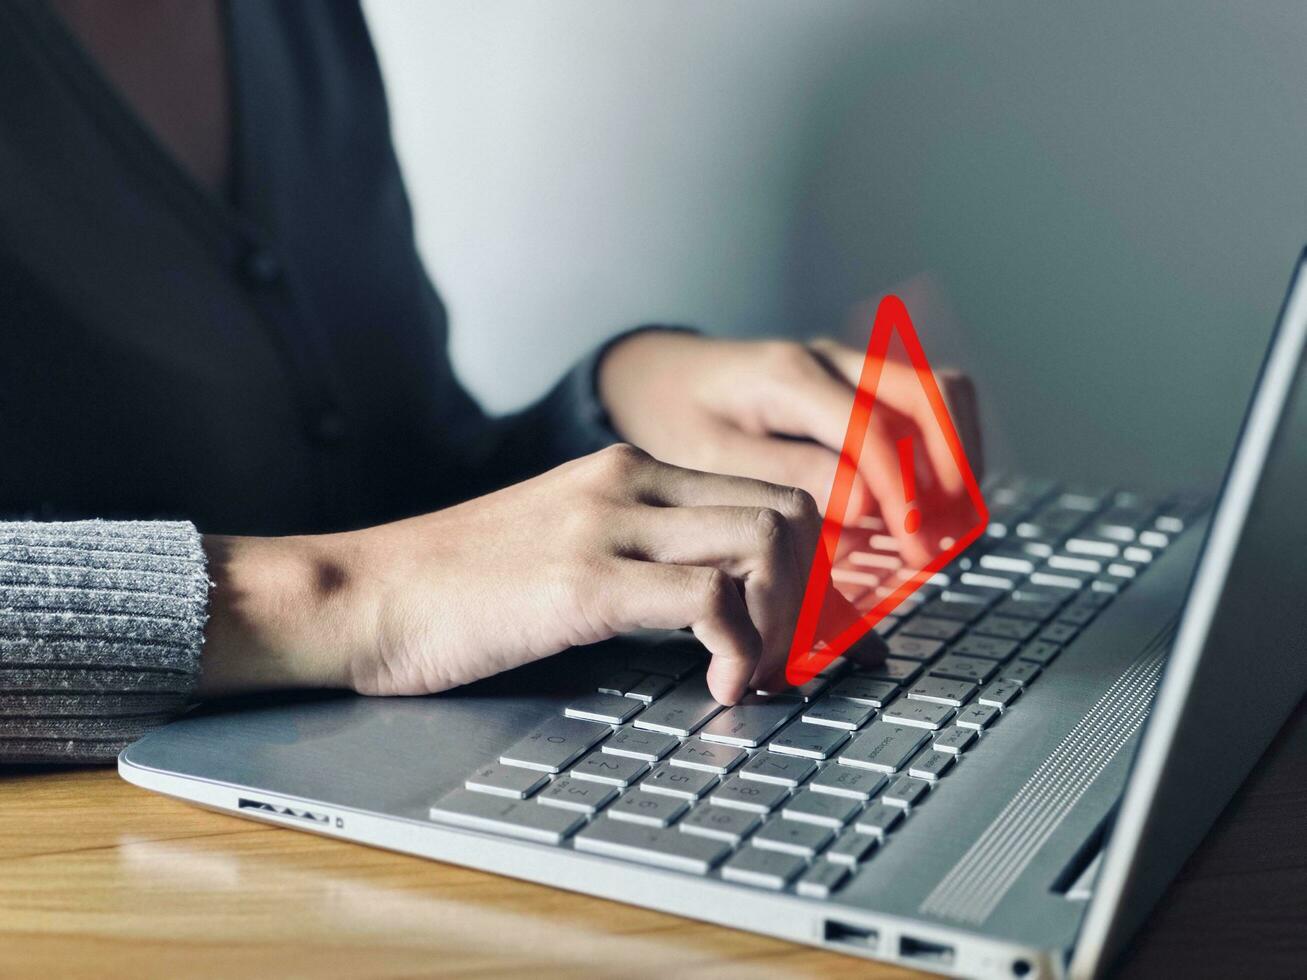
624	370
281	615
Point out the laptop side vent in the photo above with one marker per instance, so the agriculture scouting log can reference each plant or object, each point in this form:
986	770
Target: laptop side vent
983	875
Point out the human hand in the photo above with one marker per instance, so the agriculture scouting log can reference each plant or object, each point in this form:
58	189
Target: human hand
778	411
600	546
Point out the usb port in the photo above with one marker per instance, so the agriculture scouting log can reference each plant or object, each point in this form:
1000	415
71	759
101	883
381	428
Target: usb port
923	951
850	935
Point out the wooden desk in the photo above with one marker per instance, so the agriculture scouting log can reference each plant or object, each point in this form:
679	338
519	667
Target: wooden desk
99	878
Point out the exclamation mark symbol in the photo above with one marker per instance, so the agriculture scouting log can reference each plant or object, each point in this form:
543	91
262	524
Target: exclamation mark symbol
912	519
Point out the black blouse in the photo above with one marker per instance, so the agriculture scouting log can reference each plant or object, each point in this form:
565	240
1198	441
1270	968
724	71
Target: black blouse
273	363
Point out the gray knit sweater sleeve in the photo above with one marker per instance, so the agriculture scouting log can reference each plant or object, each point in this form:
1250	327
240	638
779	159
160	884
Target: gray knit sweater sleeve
101	624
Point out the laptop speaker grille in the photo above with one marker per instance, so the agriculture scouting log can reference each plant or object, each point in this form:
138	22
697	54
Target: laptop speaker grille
975	885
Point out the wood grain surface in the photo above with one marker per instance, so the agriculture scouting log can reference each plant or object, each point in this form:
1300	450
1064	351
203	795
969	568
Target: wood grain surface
98	878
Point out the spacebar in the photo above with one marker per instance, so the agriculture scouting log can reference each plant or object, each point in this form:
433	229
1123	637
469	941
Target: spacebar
663	846
499	815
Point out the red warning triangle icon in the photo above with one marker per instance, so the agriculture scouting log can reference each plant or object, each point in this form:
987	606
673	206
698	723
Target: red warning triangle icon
864	567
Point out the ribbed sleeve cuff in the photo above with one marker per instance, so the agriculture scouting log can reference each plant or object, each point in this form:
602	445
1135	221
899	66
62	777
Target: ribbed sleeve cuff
101	624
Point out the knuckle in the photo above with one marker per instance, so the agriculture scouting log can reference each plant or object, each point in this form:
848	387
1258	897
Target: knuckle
799	505
787	357
620	460
715	589
770	528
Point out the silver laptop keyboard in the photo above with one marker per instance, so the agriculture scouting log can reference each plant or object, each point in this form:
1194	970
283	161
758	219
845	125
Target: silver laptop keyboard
799	789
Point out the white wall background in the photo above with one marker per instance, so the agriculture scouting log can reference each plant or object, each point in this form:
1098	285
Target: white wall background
1107	197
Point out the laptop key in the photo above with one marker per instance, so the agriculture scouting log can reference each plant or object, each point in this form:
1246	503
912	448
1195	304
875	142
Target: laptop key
893	669
1090	600
963	612
857	784
635	806
989	647
615	770
920	714
1075	563
821	880
721	822
1057	580
938	687
577	794
504	780
864	690
957	667
1156	540
613	709
932	628
978	716
1092	547
1062	633
664	847
631	742
763	868
751	795
1021	671
524	819
931	764
987	580
1007	627
839	713
650	688
809	691
1000	694
558	743
1037	609
905	792
792	837
698	754
807	741
682	712
887	625
1041	652
621	682
878	820
688	784
750	724
784	770
1008	561
1077	616
955	739
883	746
914	647
1137	555
852	848
820	808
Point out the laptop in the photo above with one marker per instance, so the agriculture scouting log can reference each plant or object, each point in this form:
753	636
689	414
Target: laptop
1064	712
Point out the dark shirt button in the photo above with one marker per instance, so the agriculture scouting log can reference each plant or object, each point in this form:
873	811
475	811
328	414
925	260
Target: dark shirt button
262	268
328	427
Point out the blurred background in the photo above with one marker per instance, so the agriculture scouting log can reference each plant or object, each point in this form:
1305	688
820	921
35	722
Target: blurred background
1093	208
